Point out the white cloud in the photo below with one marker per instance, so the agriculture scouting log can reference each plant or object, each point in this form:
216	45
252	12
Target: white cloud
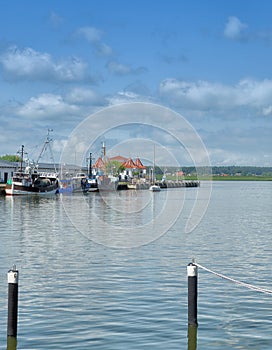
47	106
55	20
118	68
94	36
28	64
267	110
91	34
85	96
234	28
203	95
121	69
126	97
102	49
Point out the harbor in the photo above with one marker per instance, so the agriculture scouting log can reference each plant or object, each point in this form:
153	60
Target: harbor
75	292
26	177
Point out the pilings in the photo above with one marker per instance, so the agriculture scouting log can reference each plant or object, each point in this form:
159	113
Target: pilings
192	294
140	185
192	306
13	277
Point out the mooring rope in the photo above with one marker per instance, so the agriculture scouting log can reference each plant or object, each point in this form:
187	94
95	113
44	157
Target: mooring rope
243	284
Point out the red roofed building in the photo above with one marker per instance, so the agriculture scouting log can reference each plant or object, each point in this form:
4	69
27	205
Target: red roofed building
129	164
131	168
139	164
99	164
120	159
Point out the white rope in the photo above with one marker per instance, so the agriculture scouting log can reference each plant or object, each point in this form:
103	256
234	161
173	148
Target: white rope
243	284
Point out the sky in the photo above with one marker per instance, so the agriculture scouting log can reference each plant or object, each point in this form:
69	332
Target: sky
62	62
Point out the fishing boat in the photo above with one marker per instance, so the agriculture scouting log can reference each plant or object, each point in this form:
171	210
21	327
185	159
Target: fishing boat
29	181
92	179
106	181
92	184
77	183
154	188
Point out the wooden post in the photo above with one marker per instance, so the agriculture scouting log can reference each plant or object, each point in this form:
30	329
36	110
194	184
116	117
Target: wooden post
13	276
192	338
192	294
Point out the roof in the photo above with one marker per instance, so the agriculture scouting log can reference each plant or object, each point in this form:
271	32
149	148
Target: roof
7	164
129	164
120	159
99	163
139	164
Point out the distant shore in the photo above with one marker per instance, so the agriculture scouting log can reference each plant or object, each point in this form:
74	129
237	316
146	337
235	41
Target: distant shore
231	178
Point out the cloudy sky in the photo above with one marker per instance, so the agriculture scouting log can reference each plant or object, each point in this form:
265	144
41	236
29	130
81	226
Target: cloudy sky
209	61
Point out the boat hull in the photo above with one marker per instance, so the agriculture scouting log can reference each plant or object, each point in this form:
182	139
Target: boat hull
18	190
154	188
107	183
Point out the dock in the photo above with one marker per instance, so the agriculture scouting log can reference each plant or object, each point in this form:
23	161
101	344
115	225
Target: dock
140	185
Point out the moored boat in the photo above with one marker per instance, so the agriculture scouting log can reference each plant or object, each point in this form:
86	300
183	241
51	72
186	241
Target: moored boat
77	183
27	180
154	188
107	183
31	182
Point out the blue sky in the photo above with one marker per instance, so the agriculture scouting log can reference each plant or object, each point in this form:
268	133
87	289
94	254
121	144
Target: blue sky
210	61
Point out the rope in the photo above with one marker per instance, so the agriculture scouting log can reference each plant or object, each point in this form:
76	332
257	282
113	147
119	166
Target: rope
243	284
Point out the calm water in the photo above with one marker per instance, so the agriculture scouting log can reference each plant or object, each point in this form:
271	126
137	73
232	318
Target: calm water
77	291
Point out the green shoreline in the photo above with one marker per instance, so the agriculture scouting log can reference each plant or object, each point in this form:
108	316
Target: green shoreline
230	178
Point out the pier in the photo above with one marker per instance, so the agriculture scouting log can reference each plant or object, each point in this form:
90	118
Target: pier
144	185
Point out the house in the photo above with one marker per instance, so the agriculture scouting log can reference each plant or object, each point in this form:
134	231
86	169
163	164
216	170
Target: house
131	168
6	170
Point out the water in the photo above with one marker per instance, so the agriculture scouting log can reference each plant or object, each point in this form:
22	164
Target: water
78	292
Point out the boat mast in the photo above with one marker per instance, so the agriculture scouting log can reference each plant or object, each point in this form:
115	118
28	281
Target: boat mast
90	167
104	156
22	158
153	172
104	151
47	144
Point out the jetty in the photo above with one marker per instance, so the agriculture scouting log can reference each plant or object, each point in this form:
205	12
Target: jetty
144	185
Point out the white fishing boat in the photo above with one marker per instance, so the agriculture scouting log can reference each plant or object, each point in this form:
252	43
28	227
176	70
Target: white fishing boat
154	188
92	184
27	180
92	178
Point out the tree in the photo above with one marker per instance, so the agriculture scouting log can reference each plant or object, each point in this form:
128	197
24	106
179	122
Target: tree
11	158
115	167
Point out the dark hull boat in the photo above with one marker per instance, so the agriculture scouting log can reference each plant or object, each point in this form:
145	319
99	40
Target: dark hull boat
27	180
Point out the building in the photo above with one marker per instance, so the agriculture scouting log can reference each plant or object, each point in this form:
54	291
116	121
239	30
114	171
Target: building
6	170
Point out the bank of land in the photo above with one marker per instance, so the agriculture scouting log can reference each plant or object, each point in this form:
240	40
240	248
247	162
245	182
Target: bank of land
224	173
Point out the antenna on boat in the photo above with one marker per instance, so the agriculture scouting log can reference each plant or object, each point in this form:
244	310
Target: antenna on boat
21	152
103	150
90	166
45	145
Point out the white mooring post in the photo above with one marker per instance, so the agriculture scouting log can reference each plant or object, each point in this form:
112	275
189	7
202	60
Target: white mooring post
192	306
192	294
13	277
